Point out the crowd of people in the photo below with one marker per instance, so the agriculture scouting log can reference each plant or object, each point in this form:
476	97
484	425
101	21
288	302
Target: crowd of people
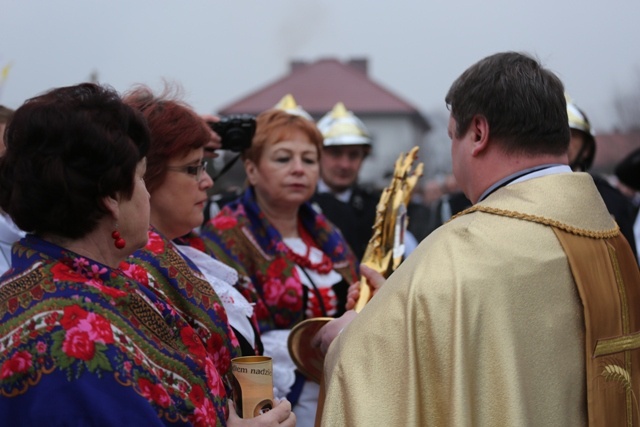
123	303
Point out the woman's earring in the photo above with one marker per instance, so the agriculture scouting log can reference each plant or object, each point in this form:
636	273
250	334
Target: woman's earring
118	241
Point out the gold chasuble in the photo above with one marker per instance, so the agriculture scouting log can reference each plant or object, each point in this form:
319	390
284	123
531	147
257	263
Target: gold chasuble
522	310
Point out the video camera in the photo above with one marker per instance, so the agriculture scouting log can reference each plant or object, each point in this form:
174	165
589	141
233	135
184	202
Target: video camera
236	132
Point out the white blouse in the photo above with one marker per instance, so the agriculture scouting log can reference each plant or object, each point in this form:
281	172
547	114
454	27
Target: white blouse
222	278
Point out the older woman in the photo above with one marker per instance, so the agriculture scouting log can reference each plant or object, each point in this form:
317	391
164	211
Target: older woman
299	264
80	343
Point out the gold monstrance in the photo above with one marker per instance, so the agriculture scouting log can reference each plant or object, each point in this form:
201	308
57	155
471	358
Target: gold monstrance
383	254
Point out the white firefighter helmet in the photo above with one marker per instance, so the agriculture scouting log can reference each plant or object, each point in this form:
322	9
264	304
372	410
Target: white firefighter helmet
342	127
578	120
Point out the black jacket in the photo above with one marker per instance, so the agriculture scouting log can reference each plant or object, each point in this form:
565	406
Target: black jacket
620	208
354	219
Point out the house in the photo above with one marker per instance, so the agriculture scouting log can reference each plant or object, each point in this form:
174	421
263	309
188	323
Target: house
611	148
394	123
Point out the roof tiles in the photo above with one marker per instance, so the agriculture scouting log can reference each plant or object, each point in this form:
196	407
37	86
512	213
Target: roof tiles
318	86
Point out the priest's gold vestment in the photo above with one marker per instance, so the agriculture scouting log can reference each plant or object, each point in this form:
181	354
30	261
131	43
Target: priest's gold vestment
483	324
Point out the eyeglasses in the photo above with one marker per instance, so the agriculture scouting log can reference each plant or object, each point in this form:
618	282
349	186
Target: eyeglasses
193	170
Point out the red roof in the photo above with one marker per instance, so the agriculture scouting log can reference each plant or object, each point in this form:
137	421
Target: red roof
318	86
612	148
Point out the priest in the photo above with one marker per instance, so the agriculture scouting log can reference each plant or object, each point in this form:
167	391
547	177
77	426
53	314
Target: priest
523	309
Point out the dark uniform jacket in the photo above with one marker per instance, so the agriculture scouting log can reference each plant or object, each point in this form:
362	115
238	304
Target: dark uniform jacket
354	219
620	208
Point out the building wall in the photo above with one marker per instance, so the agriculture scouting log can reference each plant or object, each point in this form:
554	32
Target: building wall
437	153
392	135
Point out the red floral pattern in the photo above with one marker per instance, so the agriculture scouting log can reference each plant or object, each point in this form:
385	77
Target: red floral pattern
19	363
155	243
243	238
224	222
154	392
63	272
81	322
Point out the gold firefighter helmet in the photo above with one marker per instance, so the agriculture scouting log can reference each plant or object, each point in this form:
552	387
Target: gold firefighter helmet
288	104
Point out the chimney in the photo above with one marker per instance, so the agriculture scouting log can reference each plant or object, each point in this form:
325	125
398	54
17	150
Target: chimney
296	64
360	64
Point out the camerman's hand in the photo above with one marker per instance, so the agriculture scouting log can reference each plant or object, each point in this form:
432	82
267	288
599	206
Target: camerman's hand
215	142
210	118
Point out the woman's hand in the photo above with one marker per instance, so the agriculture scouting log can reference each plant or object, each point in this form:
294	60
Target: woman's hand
280	415
325	336
375	280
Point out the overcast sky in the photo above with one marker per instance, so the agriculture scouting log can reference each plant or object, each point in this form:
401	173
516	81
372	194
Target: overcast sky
220	51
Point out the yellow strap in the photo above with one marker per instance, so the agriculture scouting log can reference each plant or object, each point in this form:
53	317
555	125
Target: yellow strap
608	281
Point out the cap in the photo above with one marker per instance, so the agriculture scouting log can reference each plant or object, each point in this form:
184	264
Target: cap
342	127
288	104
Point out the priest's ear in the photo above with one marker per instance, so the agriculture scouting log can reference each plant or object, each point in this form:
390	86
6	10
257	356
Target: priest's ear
479	128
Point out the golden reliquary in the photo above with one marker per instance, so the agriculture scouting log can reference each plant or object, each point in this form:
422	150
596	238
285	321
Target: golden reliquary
383	253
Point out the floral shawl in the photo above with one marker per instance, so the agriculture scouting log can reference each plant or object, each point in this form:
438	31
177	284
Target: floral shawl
82	344
195	241
176	280
242	237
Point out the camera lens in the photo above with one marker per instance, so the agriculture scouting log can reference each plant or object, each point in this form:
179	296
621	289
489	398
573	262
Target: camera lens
236	139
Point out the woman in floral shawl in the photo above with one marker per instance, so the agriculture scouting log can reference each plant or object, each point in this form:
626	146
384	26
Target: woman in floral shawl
81	343
300	265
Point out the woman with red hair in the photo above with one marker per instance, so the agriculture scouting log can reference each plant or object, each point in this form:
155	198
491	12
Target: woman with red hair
299	264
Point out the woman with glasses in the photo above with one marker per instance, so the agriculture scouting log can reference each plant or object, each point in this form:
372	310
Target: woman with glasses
198	286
